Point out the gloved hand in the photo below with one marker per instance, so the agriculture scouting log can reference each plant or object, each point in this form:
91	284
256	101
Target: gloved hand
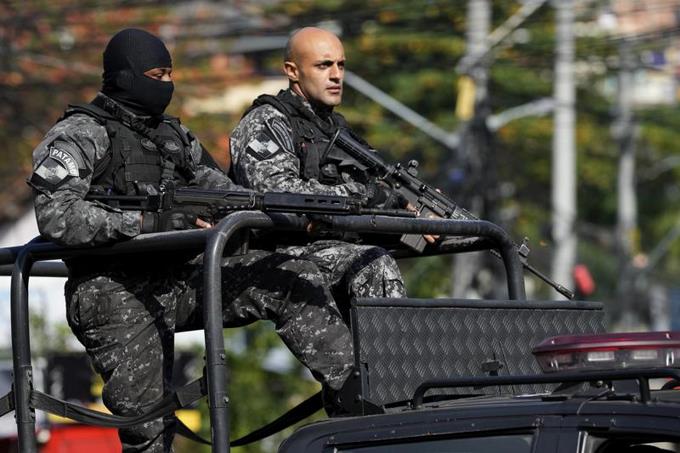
379	194
375	194
172	219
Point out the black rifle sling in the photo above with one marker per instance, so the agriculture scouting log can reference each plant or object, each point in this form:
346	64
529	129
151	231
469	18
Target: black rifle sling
7	403
184	431
296	414
182	397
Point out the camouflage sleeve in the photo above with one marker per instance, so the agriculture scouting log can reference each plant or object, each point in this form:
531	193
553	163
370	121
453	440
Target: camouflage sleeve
264	159
63	164
207	173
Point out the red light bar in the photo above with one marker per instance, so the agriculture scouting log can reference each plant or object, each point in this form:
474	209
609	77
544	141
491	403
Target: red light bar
609	351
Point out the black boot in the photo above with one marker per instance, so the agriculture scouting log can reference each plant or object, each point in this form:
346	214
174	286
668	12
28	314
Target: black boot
348	400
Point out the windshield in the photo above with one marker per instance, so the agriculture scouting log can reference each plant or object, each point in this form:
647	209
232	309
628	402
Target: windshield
515	443
622	443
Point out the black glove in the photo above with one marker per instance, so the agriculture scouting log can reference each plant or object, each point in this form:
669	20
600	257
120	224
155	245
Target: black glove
172	219
379	194
376	193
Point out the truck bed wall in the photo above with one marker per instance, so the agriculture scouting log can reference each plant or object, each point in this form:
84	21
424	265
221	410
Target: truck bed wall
400	343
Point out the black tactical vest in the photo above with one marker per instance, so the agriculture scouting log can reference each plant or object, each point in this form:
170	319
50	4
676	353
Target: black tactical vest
134	165
311	138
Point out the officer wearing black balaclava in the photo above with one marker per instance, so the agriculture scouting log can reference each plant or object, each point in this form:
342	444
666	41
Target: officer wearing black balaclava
128	56
136	89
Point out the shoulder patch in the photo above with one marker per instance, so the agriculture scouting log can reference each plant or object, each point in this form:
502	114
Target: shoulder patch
281	132
262	147
56	167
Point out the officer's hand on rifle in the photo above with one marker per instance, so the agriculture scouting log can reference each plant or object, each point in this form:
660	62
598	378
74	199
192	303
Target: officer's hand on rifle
375	194
379	194
430	238
200	223
318	223
170	220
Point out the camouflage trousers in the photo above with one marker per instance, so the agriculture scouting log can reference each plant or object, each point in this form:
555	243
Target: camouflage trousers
127	320
353	270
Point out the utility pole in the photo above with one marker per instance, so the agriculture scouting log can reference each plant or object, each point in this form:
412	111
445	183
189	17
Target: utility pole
564	149
624	133
465	266
479	23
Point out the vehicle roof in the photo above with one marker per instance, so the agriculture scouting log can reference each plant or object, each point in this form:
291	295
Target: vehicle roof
493	414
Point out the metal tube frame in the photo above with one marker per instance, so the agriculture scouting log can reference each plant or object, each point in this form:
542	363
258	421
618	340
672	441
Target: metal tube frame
478	228
216	365
641	375
215	240
21	353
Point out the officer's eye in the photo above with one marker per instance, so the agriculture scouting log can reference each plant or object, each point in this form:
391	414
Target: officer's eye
159	73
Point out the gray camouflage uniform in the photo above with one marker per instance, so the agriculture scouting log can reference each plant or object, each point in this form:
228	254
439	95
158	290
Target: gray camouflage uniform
126	312
263	158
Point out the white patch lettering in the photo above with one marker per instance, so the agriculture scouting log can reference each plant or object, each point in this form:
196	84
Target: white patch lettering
65	159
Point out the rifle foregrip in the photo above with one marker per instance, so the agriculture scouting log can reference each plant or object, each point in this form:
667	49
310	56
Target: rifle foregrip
415	242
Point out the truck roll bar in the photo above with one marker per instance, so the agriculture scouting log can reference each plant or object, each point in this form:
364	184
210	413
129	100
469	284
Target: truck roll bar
28	260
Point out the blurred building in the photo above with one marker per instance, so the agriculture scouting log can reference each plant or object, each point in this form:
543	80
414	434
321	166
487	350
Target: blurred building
651	30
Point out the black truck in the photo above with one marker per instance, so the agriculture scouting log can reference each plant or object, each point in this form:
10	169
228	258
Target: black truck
619	405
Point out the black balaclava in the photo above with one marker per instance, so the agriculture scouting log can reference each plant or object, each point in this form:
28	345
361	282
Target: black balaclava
129	54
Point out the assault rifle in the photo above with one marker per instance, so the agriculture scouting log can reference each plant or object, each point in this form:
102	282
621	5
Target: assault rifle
425	199
213	205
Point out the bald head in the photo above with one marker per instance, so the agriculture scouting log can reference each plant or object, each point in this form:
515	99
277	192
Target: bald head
315	65
304	39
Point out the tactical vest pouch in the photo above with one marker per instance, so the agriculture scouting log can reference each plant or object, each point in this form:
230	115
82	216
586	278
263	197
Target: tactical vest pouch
310	156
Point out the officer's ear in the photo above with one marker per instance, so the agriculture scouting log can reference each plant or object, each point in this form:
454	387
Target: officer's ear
291	71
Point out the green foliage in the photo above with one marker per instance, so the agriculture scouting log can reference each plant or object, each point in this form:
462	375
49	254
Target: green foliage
259	394
427	277
47	336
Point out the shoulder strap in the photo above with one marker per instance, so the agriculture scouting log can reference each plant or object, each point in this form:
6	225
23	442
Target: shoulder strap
100	115
176	125
286	108
339	120
274	101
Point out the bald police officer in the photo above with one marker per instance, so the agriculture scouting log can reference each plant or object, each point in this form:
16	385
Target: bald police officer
282	144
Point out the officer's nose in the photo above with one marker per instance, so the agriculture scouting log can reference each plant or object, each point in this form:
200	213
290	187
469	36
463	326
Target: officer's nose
336	73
